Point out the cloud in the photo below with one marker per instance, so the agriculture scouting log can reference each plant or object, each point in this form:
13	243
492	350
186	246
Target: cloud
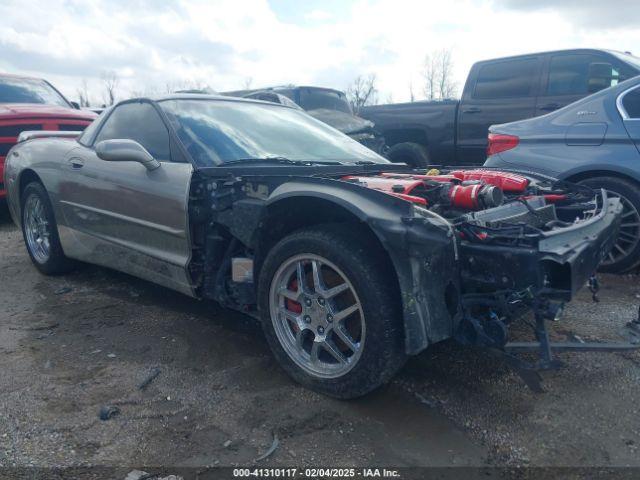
318	15
584	13
221	43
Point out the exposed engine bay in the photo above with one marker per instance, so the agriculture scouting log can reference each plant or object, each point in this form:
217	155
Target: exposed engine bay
491	207
458	192
472	249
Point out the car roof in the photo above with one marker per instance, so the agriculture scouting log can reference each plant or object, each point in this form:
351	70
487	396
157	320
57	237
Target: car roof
569	50
199	96
19	77
280	88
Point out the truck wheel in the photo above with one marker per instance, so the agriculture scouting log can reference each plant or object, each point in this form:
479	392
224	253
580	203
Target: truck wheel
412	154
331	312
40	232
626	252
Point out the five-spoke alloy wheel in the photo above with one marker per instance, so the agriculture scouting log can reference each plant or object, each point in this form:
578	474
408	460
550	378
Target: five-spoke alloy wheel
317	315
331	310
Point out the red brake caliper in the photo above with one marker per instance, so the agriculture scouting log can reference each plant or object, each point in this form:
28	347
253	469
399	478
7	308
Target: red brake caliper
292	306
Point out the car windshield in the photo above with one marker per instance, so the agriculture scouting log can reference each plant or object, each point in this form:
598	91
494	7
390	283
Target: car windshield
219	131
29	90
316	98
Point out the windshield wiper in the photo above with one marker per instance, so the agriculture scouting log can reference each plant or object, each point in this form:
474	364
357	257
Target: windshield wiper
280	160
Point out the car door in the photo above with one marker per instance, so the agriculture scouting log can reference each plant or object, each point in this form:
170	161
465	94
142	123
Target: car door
568	77
504	91
123	215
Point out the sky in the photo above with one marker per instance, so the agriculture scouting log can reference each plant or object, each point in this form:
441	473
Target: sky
156	46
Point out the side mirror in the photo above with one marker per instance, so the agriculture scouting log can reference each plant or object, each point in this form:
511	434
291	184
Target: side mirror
75	105
599	76
125	150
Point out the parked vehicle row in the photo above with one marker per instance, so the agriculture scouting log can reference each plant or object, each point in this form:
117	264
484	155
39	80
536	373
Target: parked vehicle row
351	262
497	91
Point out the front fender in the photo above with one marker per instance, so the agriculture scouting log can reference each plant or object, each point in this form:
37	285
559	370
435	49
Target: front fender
421	249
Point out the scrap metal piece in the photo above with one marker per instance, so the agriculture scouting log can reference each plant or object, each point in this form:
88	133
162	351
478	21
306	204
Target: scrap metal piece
150	378
272	448
108	411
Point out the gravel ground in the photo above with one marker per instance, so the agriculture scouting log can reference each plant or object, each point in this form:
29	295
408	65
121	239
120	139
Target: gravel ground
74	344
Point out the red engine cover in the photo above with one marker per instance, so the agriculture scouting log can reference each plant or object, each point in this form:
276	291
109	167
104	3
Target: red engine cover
507	182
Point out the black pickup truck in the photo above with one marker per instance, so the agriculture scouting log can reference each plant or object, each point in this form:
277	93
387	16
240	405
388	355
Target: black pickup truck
502	90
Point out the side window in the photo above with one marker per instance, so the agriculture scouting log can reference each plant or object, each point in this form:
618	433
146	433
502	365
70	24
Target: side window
90	131
631	103
580	74
511	79
139	122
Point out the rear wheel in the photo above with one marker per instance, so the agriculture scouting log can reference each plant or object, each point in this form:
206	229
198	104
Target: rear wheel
40	231
412	154
330	312
625	253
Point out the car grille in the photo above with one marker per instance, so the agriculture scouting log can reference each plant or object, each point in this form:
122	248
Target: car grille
9	133
14	130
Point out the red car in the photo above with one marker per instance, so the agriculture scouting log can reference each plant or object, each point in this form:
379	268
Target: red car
33	104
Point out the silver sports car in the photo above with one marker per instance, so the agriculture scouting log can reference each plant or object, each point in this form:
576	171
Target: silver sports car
350	262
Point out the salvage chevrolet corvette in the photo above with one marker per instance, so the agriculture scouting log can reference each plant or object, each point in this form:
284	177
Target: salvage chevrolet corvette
351	262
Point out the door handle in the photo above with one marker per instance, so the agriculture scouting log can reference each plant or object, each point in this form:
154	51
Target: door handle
76	162
472	110
550	107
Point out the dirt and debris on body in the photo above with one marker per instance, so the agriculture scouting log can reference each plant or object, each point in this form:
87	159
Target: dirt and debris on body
188	384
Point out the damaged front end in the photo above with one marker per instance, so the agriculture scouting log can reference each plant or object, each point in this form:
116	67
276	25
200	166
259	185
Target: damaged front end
473	250
522	244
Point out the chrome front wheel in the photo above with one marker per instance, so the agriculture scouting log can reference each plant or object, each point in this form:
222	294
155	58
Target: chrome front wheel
37	229
40	231
317	315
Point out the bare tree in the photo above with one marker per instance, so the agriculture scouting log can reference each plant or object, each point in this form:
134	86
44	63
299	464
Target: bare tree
83	94
412	96
178	85
110	81
248	82
438	75
362	92
430	73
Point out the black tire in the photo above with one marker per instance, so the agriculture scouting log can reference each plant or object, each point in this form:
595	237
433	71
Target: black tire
630	192
56	263
412	154
357	255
